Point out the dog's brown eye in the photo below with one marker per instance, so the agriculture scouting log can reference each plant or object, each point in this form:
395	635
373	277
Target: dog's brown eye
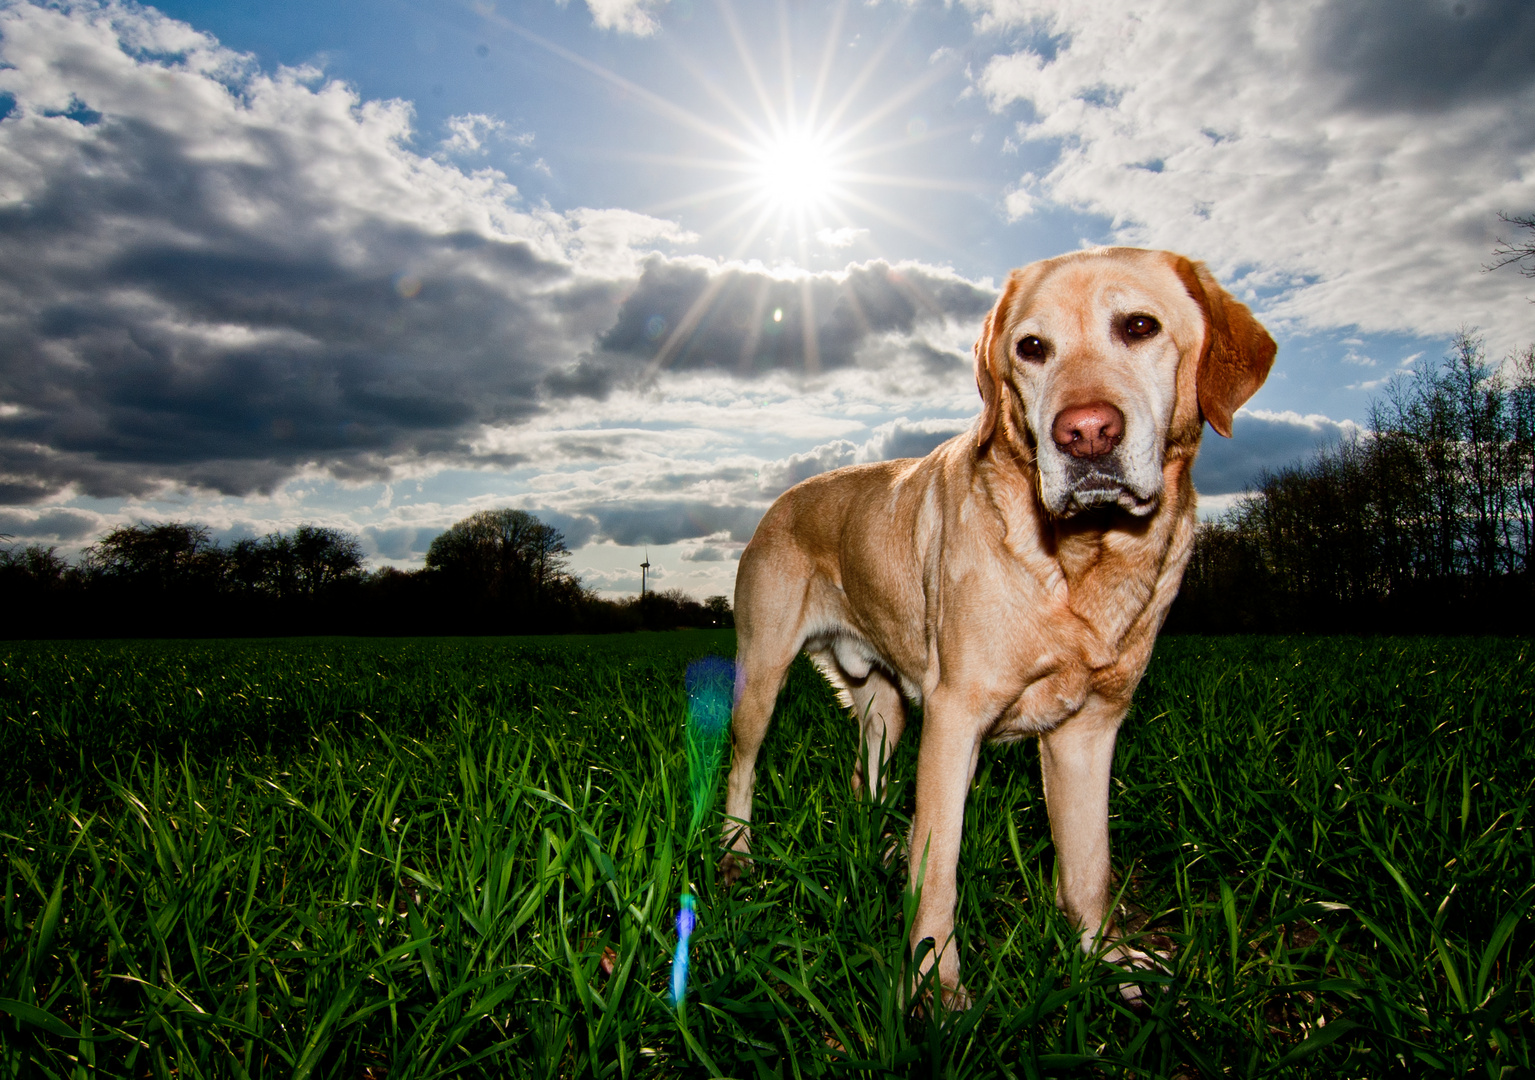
1138	327
1031	348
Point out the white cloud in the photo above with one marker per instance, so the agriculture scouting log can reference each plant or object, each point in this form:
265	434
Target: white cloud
905	438
470	132
626	16
1351	156
846	236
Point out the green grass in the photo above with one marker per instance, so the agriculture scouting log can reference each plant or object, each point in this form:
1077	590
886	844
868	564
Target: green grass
425	858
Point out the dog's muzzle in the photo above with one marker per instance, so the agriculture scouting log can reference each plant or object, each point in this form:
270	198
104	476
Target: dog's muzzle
1088	438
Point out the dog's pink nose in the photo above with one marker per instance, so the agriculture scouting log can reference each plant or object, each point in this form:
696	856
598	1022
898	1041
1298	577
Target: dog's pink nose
1088	431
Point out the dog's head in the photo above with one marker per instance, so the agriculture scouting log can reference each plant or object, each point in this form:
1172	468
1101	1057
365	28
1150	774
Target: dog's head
1099	361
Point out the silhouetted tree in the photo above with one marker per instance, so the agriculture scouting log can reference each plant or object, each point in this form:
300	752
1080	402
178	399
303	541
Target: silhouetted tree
504	564
165	556
671	609
323	557
1521	457
34	564
1429	516
719	611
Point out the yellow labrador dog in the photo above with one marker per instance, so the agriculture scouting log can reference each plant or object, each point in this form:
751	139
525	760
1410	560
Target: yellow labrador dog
1012	581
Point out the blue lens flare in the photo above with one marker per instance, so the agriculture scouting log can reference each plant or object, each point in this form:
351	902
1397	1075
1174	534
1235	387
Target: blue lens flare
687	919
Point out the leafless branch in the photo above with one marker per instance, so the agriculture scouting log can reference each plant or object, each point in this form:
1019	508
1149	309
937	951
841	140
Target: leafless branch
1515	254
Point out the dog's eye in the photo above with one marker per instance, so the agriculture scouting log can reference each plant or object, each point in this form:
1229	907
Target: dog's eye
1140	327
1031	348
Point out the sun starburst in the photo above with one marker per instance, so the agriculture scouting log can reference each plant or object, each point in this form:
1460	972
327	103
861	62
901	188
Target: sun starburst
797	172
800	165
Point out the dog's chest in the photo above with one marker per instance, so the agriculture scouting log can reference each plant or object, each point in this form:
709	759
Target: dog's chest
1045	703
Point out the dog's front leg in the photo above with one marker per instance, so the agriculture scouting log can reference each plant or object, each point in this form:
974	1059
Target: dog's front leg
1075	760
945	766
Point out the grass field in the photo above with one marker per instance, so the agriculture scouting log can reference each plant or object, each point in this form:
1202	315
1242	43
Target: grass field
363	858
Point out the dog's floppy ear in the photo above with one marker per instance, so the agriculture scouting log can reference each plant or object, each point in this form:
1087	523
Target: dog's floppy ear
988	376
1238	352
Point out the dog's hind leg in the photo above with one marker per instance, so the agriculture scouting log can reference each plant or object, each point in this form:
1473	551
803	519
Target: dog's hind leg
874	700
881	714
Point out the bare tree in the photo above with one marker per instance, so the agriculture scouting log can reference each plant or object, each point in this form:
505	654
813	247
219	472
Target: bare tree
1521	252
1521	458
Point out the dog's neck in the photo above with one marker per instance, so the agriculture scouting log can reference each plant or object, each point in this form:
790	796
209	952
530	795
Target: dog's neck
1119	572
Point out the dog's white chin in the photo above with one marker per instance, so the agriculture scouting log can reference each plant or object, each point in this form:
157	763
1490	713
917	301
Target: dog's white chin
1069	503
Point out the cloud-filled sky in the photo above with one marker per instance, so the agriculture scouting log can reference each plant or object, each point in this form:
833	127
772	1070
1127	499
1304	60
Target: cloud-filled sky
639	265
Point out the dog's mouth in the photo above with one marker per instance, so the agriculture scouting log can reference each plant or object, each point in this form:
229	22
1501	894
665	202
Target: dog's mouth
1099	482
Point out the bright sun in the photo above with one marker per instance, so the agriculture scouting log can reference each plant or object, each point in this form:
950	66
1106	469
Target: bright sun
796	171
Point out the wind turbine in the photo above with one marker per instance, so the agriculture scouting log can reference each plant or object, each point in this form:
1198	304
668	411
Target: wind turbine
644	571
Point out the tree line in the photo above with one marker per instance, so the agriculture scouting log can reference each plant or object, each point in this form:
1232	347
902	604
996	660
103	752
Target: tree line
1425	522
495	572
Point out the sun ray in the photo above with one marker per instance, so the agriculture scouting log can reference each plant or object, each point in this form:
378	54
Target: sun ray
655	101
865	73
756	131
918	183
828	55
786	58
855	128
901	142
748	65
685	326
747	187
807	328
898	220
754	325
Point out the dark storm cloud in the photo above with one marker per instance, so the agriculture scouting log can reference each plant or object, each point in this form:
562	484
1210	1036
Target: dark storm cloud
745	321
204	353
217	289
1259	442
1425	55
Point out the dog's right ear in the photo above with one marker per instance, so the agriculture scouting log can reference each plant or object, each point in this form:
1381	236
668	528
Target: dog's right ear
988	373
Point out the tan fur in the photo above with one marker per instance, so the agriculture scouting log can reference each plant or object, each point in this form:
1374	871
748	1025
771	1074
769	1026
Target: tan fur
974	580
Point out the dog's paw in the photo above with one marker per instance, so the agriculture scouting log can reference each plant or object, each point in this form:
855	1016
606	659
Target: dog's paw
956	998
734	866
1133	960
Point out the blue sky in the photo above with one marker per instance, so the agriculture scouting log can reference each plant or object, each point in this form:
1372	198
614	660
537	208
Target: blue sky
638	266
